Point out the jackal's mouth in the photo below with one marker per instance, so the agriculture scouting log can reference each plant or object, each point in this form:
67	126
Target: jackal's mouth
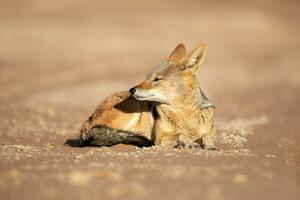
149	95
143	97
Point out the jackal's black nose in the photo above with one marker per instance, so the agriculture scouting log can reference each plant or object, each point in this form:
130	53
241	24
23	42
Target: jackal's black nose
132	91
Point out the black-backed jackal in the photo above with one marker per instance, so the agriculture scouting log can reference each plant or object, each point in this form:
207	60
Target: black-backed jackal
168	108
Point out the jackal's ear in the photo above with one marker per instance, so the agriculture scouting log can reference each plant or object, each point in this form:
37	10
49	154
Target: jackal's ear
178	53
193	61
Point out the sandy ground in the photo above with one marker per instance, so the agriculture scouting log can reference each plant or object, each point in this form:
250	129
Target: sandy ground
59	59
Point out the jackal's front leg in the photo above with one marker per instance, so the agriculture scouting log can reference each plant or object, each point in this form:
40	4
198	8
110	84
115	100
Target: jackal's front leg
168	141
206	141
185	142
181	145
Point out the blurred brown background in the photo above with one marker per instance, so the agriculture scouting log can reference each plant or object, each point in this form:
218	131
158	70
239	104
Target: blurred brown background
61	58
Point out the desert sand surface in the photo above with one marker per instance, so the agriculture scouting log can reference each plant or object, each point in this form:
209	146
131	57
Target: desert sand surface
60	59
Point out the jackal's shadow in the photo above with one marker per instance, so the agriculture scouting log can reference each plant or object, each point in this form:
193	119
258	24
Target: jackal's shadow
132	105
73	143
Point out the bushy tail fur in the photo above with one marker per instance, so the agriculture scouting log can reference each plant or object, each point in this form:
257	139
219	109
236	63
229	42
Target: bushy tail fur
104	136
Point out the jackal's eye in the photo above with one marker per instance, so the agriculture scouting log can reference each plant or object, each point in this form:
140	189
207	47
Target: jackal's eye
156	79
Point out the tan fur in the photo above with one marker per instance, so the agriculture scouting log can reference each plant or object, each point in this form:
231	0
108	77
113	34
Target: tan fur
124	112
178	53
184	125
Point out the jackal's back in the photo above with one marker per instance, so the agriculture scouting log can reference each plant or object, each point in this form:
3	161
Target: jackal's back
119	113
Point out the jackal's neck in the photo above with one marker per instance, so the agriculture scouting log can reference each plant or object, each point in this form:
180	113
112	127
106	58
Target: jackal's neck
189	99
185	105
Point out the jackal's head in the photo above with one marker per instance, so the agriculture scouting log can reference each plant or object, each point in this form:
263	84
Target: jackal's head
172	79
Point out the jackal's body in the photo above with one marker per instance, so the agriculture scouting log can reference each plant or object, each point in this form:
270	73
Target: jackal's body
167	109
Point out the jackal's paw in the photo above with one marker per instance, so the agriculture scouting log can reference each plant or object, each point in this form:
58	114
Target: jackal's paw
193	146
210	148
179	145
182	145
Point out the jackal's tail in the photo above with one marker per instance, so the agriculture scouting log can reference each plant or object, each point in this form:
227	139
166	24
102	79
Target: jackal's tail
104	136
